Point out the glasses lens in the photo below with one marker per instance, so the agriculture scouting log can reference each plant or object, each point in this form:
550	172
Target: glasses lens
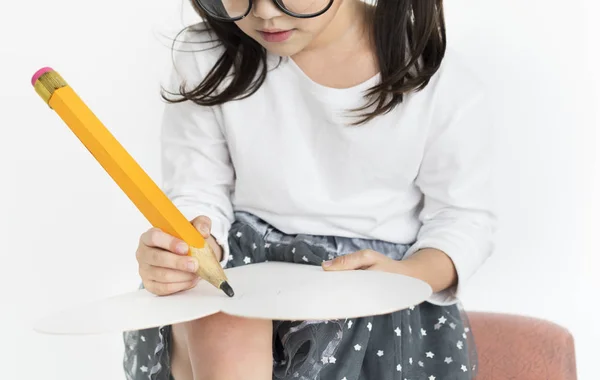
305	7
225	9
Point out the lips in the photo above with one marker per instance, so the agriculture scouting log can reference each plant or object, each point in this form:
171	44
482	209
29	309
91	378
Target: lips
275	35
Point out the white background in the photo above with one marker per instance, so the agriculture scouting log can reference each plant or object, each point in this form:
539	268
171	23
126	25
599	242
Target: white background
69	234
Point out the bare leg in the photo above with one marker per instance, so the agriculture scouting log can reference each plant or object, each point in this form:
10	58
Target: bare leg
222	347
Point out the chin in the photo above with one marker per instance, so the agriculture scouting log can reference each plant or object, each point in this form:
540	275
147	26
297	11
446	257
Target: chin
284	50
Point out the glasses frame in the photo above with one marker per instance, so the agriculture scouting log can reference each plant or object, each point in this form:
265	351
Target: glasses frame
278	3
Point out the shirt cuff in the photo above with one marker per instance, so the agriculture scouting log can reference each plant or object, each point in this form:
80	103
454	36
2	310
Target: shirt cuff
467	258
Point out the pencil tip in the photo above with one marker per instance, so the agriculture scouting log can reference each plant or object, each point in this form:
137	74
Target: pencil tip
225	287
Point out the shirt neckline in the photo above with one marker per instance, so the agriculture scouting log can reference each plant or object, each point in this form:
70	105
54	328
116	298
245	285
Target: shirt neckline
331	93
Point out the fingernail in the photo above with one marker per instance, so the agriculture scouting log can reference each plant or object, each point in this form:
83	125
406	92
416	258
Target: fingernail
192	266
182	248
327	263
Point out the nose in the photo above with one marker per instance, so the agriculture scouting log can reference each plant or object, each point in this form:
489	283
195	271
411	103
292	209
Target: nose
265	9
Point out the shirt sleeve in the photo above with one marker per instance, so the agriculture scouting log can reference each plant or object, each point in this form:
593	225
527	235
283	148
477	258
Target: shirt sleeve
455	177
197	173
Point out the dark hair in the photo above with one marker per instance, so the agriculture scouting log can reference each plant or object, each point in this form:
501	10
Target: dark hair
409	39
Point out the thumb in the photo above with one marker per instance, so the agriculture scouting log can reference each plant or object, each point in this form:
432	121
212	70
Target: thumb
203	224
357	260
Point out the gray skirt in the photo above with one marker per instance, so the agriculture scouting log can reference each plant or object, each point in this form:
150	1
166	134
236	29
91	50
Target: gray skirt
424	342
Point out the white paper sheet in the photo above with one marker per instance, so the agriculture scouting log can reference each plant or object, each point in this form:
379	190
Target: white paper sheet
280	291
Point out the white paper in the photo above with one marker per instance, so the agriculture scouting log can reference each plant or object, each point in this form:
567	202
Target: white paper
277	291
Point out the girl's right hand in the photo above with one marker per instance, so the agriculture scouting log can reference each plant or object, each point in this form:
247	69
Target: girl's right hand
164	264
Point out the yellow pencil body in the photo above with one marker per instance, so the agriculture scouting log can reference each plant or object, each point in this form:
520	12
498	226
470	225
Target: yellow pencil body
130	177
126	172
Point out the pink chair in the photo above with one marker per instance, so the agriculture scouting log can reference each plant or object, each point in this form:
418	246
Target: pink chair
513	347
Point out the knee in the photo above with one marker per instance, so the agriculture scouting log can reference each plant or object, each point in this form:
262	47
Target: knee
229	333
213	341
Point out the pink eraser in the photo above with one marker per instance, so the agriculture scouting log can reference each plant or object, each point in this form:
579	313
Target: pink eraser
39	73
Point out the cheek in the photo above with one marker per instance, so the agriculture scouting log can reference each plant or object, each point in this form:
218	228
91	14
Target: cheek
318	25
245	26
310	29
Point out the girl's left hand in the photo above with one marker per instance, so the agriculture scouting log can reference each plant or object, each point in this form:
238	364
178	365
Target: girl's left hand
430	265
365	259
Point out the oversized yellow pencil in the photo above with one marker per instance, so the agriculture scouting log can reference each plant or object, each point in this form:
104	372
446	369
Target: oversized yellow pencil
125	171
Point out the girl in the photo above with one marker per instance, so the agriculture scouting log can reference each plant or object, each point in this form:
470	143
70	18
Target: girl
333	131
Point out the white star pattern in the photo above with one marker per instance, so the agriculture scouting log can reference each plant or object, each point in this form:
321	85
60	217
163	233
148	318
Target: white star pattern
254	246
331	360
267	245
294	250
144	369
239	234
143	338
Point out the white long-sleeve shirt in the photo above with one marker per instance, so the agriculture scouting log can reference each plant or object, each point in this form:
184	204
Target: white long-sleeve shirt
420	174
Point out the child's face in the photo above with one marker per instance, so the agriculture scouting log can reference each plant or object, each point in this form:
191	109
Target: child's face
294	34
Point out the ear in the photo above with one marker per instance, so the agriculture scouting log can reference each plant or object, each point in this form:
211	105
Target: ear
357	260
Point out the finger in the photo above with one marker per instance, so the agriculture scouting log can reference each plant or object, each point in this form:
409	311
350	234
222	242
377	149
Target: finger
165	275
204	225
216	249
163	289
156	238
160	258
357	260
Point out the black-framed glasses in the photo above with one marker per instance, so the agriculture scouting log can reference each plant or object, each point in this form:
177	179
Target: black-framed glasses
234	10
